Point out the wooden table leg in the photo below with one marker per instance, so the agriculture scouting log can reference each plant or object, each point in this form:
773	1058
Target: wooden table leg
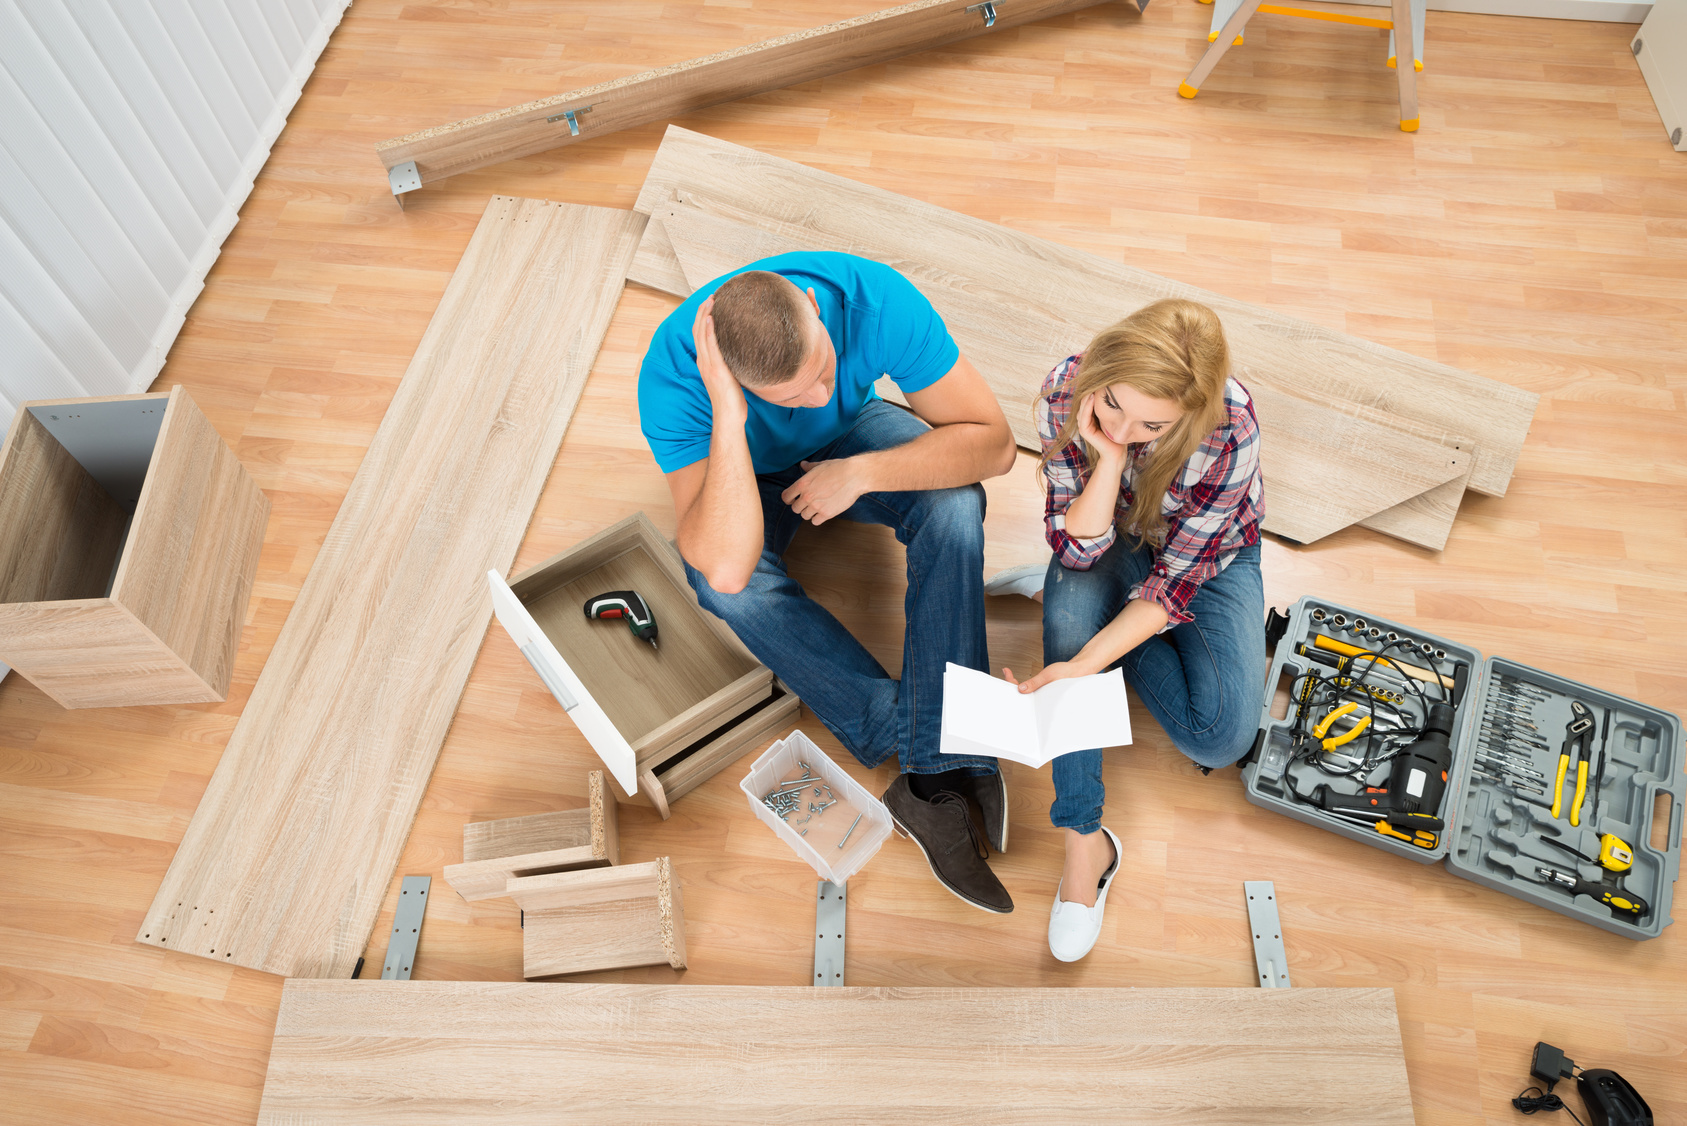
1226	35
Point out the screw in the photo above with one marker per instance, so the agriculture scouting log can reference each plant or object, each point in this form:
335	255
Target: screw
850	830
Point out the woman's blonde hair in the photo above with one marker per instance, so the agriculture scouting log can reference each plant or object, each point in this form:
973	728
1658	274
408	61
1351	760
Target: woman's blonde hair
1172	349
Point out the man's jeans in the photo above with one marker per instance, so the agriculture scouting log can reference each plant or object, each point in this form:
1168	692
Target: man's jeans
1203	680
872	714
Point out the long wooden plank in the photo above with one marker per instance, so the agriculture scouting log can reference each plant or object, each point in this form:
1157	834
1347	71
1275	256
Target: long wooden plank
1307	445
425	1052
1295	356
670	91
286	859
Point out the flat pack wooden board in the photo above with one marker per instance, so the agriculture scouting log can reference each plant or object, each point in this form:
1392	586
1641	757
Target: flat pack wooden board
671	91
285	863
420	1053
1047	280
1306	445
600	919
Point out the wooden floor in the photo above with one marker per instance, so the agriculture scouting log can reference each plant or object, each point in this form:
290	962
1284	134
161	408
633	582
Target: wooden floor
1534	231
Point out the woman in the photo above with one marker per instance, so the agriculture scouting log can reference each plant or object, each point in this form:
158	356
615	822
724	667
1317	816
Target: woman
1151	463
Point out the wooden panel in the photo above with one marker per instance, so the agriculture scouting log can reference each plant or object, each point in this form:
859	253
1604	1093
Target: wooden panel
283	865
751	733
93	653
725	76
495	852
193	550
452	1052
1306	445
603	919
1048	279
743	694
60	532
593	825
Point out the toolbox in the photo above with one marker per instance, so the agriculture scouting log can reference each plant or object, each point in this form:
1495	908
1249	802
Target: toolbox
1377	709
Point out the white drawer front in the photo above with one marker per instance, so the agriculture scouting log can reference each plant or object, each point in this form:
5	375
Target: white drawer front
611	746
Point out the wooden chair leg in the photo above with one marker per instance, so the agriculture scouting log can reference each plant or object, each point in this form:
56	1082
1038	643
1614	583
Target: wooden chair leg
1231	29
1406	75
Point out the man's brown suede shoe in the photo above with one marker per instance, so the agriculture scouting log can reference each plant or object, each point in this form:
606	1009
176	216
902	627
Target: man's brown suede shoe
990	793
944	831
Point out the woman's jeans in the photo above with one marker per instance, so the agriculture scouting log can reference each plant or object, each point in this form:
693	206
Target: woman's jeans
1203	680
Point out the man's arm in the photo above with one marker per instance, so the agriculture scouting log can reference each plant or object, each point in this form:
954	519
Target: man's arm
715	499
969	442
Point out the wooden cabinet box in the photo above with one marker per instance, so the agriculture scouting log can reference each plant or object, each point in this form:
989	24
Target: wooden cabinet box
129	539
665	719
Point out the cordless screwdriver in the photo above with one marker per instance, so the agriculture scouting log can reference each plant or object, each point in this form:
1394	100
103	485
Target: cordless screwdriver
630	608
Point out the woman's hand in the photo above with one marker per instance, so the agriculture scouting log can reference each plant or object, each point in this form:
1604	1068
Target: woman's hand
1060	670
1091	432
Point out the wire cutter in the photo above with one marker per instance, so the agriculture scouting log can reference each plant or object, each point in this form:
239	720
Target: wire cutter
1578	745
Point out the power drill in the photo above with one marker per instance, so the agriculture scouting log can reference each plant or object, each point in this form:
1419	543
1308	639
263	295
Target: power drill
1416	781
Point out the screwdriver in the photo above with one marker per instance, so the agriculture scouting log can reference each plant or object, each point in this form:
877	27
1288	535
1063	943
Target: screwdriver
1619	901
630	608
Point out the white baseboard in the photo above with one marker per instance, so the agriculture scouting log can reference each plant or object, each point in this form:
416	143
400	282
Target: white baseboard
1602	11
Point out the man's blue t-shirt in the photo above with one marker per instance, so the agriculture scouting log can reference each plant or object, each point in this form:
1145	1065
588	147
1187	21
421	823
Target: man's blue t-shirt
879	325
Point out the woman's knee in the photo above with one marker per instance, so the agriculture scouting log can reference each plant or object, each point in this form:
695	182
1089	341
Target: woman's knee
1076	604
1226	739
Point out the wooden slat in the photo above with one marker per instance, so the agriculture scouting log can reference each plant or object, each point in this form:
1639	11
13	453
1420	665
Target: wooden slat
602	919
1306	444
429	1052
656	95
1055	281
284	863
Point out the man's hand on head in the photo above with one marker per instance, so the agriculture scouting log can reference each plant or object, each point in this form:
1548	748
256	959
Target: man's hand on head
827	489
726	394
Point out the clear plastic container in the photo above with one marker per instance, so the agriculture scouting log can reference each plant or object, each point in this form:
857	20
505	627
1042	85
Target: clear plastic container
818	838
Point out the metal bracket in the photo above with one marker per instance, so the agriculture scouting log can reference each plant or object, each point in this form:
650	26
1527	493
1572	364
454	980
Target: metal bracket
829	912
403	178
406	928
572	116
1270	959
987	10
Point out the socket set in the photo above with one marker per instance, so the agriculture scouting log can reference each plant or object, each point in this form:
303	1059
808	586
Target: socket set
1543	788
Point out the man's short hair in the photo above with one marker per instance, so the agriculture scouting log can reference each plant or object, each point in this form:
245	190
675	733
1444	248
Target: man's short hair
759	327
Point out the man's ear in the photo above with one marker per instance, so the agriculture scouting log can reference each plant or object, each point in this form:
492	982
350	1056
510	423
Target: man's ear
812	301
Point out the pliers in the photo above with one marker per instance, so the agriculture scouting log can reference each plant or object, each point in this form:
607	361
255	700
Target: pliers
1578	745
1347	736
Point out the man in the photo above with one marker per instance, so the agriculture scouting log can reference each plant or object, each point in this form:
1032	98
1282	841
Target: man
756	397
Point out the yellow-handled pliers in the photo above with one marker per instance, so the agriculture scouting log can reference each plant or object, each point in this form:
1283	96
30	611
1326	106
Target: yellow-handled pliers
1578	743
1347	736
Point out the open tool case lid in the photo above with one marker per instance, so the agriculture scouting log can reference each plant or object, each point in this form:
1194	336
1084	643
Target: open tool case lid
1493	834
1497	836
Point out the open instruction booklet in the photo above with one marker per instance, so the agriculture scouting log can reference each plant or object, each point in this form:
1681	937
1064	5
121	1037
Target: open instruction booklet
986	716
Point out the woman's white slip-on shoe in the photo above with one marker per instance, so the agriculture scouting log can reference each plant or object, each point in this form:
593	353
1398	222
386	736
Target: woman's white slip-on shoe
1018	580
1073	928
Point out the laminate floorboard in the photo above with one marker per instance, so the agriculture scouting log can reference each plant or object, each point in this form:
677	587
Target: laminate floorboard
282	865
444	1052
1534	231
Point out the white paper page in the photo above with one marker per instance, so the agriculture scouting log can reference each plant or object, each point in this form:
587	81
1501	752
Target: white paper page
1081	712
986	716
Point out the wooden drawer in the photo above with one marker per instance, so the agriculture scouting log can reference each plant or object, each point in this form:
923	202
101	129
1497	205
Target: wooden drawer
662	720
129	539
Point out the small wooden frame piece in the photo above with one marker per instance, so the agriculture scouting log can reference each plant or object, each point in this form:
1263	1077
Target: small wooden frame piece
129	540
600	919
672	91
496	852
684	710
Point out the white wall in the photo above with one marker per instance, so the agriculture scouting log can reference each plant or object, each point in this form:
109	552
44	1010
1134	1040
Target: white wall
130	133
